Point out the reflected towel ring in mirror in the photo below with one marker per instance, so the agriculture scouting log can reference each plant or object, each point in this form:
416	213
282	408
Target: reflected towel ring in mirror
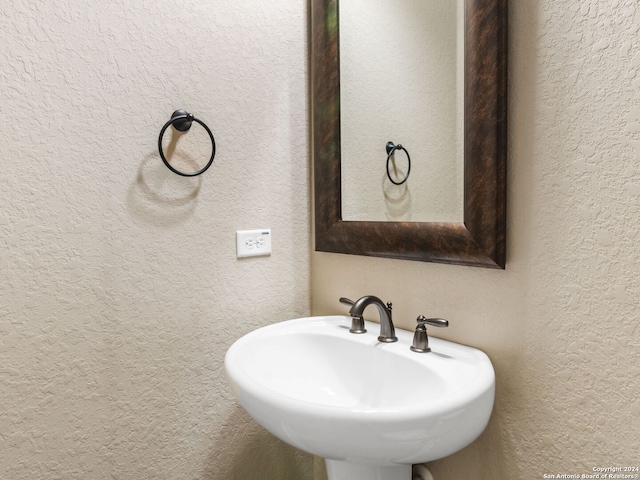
181	121
391	148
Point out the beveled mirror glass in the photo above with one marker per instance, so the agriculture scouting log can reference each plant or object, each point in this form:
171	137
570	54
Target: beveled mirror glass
479	239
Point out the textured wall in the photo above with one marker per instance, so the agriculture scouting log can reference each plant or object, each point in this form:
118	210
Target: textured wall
384	97
561	323
119	286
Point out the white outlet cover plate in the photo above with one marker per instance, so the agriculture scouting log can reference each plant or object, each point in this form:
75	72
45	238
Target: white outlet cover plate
253	243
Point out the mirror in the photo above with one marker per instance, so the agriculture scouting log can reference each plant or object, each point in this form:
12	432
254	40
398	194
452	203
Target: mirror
404	83
479	239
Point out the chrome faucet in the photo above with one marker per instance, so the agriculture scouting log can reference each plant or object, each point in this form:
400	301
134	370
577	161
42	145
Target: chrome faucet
387	331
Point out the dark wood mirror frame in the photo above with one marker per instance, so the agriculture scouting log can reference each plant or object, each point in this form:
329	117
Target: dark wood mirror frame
481	239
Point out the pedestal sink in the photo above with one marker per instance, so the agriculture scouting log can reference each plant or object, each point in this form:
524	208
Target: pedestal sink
370	409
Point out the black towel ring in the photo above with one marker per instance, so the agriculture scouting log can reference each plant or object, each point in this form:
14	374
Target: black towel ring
181	121
391	148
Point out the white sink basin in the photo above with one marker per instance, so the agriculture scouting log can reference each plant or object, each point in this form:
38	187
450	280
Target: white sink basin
370	409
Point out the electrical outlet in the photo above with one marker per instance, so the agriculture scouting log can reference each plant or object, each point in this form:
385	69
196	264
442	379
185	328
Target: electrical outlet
253	243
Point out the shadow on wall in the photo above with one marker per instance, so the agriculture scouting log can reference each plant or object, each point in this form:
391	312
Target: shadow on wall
397	200
246	451
160	197
486	455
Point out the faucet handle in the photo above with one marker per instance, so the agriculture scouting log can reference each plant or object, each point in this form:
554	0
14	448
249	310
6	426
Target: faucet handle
436	322
347	301
420	337
357	321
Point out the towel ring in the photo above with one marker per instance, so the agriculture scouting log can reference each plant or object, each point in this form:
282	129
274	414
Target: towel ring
391	148
181	121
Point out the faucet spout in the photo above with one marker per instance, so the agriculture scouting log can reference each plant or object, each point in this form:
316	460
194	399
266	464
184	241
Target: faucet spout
387	330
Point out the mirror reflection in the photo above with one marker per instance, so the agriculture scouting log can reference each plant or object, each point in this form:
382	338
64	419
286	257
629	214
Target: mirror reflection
401	81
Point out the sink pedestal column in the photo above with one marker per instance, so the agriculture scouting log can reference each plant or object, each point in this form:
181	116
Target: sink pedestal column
337	470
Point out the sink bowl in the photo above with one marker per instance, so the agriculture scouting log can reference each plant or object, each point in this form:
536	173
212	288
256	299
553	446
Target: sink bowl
371	409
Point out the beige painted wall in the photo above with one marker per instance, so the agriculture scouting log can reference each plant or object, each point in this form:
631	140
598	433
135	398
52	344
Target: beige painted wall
119	287
561	323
